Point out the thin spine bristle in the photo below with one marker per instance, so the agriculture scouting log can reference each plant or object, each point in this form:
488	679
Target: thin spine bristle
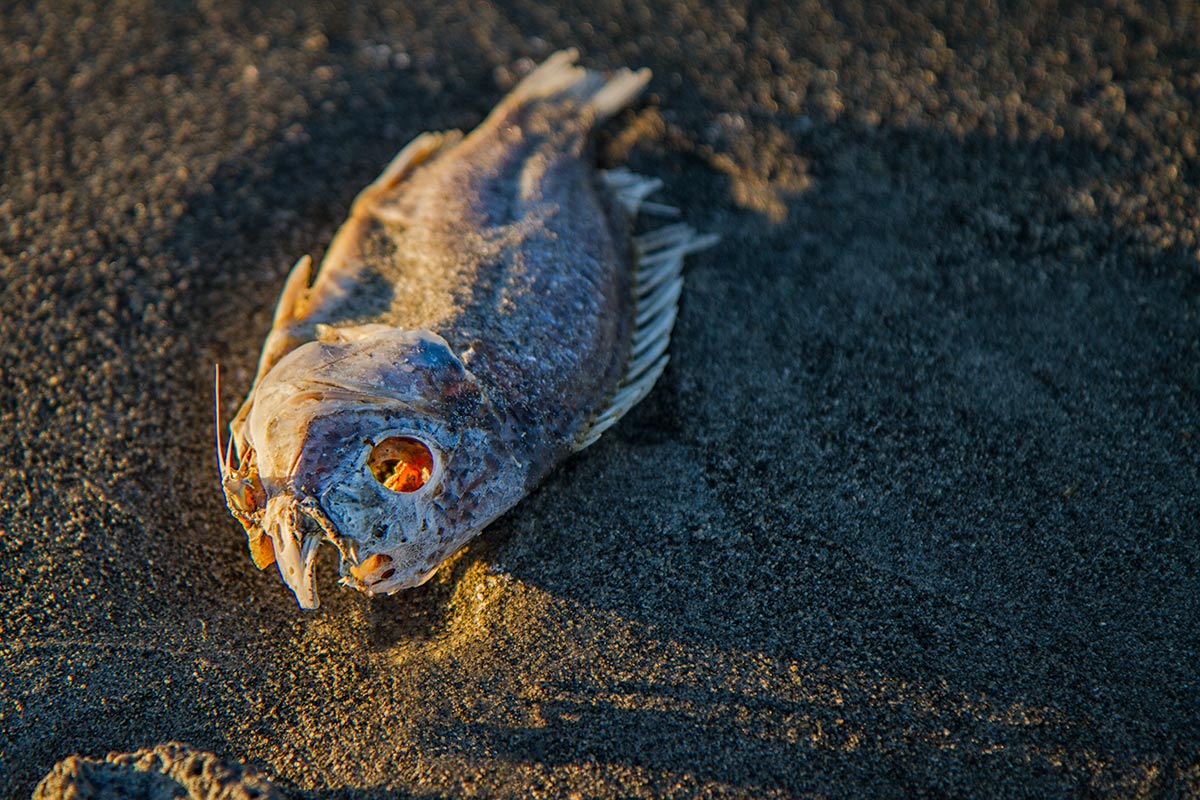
222	457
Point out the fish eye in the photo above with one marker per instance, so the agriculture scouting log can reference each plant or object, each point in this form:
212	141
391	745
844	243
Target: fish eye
401	463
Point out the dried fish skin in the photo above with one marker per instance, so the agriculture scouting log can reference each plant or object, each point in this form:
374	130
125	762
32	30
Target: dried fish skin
483	313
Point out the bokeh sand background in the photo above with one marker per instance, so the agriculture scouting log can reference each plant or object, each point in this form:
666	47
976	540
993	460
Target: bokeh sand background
914	509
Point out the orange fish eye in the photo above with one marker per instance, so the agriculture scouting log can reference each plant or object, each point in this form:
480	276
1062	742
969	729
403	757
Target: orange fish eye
401	463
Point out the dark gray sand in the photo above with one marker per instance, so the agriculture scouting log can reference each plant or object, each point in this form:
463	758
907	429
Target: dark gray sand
914	509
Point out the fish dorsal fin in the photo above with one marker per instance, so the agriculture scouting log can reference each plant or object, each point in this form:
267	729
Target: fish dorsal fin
658	280
340	262
417	152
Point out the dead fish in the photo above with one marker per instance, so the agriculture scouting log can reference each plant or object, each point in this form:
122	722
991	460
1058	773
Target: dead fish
482	314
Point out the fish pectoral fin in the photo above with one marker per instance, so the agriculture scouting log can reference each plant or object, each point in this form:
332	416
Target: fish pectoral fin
658	281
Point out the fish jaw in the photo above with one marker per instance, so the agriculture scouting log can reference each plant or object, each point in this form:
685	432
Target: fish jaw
295	550
379	573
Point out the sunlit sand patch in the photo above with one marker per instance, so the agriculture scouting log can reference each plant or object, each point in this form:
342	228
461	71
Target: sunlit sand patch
763	178
614	702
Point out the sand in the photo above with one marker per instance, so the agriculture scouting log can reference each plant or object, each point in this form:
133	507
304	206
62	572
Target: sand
914	509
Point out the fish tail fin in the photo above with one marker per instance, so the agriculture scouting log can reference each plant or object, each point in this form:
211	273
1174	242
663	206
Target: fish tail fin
560	82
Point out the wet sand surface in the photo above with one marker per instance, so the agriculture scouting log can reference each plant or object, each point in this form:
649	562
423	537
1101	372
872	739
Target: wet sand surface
915	508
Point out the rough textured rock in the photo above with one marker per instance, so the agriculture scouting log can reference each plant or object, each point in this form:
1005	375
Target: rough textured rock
165	772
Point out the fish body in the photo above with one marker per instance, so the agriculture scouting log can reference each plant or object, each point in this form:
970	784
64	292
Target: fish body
483	313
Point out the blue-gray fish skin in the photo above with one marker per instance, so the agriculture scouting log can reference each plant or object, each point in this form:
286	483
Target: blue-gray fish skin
483	313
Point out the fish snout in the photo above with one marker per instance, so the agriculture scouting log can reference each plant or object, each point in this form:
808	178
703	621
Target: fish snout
296	536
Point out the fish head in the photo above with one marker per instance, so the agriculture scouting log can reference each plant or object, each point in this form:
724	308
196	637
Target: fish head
380	442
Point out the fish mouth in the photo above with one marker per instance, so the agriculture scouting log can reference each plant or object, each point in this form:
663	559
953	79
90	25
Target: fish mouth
296	528
378	574
297	561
